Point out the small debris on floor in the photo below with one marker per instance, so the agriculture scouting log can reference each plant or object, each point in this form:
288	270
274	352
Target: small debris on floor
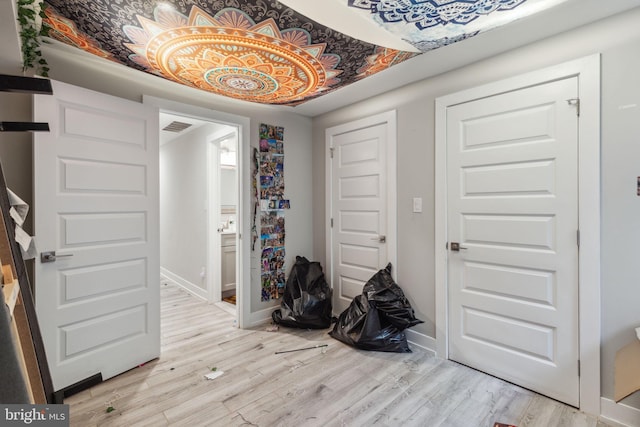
110	409
214	375
272	328
306	348
172	369
214	369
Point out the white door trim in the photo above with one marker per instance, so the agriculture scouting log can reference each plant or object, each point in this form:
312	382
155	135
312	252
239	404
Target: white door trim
588	72
388	117
243	272
214	261
214	240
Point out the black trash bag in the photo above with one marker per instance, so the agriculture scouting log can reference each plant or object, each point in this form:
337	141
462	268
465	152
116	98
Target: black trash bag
376	319
306	302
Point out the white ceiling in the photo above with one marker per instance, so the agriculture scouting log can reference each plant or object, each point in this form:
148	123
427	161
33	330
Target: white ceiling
566	16
166	119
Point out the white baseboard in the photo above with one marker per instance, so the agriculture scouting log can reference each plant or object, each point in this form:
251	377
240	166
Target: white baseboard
185	284
619	414
423	341
262	317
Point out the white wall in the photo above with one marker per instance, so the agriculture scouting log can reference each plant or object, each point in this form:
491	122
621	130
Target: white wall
15	147
618	39
183	197
620	205
228	187
298	189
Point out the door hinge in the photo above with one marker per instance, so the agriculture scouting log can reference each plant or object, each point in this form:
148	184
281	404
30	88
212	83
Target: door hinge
576	102
578	237
331	222
331	152
579	368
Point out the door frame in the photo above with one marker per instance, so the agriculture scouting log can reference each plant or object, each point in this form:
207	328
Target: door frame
587	70
389	118
214	238
243	222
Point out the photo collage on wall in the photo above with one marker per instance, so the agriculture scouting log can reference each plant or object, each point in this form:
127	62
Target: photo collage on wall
272	205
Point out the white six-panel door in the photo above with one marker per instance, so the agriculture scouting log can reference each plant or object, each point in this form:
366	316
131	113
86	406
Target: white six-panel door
96	206
513	208
362	173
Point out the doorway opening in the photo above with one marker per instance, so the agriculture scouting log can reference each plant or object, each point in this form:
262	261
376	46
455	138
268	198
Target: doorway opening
199	206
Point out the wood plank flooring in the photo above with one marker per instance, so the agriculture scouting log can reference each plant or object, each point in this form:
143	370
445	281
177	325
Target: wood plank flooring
330	386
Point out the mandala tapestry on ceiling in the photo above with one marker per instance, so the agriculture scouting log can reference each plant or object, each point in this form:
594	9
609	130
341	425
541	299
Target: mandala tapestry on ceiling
64	30
431	13
256	50
431	24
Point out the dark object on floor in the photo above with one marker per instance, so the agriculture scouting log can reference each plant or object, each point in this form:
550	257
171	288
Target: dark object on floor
503	425
376	319
300	349
306	302
230	300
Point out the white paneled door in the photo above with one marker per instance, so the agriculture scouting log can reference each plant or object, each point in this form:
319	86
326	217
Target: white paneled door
96	208
513	211
362	204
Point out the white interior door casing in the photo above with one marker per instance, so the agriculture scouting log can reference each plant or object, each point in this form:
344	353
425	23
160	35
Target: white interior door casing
223	191
512	162
96	201
587	70
362	229
245	316
214	251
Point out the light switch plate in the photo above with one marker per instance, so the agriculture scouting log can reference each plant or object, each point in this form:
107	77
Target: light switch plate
417	204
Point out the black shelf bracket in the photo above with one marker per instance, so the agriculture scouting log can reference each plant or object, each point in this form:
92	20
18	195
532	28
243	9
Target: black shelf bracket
24	127
25	84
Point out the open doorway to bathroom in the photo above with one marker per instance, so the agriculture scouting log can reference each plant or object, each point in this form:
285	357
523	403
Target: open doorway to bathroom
199	206
223	200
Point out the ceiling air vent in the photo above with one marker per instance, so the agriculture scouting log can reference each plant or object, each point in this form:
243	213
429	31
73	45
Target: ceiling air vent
176	126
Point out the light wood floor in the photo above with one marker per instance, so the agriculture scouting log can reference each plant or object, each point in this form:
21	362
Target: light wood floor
332	386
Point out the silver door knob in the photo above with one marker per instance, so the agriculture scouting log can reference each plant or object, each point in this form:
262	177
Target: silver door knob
50	256
455	247
381	239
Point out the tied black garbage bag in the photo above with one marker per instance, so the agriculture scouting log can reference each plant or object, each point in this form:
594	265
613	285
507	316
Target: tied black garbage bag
376	319
306	302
